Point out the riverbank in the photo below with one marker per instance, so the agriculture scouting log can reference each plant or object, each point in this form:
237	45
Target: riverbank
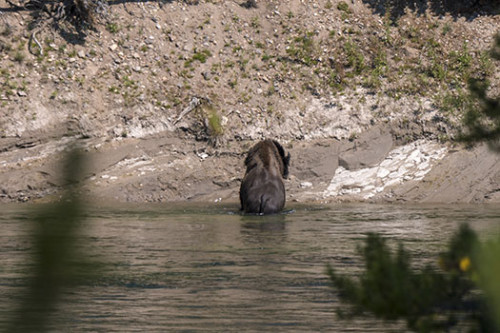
166	99
164	168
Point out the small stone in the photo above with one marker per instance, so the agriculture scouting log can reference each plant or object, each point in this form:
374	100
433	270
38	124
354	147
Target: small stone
207	75
81	54
202	156
113	47
21	93
306	185
188	47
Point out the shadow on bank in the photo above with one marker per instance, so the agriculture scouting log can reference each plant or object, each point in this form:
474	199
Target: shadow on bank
469	9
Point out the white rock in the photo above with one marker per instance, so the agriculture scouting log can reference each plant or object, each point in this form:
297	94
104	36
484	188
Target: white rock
406	163
202	156
306	185
382	172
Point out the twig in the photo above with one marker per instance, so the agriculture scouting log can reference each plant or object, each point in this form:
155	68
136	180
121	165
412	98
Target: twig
16	6
33	38
195	102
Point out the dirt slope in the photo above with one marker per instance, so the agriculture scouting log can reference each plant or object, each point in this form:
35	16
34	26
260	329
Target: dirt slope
167	96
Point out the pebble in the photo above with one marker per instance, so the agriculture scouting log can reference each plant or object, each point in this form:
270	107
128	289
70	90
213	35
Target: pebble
207	75
306	185
202	156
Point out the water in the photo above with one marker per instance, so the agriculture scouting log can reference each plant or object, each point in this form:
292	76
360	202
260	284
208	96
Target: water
207	268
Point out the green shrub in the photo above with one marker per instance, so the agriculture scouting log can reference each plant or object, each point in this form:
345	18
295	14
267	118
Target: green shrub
343	7
428	299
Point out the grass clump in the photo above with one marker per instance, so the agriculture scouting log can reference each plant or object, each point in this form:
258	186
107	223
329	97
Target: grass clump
354	56
201	56
343	7
214	124
19	56
112	27
214	128
461	60
303	49
454	102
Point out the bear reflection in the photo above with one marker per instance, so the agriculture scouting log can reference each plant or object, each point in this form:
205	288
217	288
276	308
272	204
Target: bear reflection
265	231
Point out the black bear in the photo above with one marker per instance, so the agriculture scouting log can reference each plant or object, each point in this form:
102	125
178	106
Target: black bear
262	190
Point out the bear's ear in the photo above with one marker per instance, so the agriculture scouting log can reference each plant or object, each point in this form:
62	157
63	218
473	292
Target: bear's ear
251	153
286	164
248	159
281	151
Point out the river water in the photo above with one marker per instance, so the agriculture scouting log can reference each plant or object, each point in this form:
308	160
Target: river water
208	268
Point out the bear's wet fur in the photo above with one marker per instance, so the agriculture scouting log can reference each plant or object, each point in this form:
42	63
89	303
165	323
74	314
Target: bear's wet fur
262	190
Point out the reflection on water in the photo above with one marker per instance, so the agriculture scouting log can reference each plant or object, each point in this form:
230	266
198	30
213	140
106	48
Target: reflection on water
195	267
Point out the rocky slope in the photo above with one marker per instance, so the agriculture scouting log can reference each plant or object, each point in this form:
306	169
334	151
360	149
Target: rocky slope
166	97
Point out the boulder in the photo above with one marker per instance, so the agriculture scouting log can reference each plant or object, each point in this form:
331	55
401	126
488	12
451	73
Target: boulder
368	150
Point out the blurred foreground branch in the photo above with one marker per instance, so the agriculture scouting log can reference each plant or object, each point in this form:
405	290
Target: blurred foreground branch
429	300
57	262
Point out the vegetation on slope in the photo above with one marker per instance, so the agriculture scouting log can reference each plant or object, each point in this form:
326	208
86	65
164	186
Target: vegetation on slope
251	61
